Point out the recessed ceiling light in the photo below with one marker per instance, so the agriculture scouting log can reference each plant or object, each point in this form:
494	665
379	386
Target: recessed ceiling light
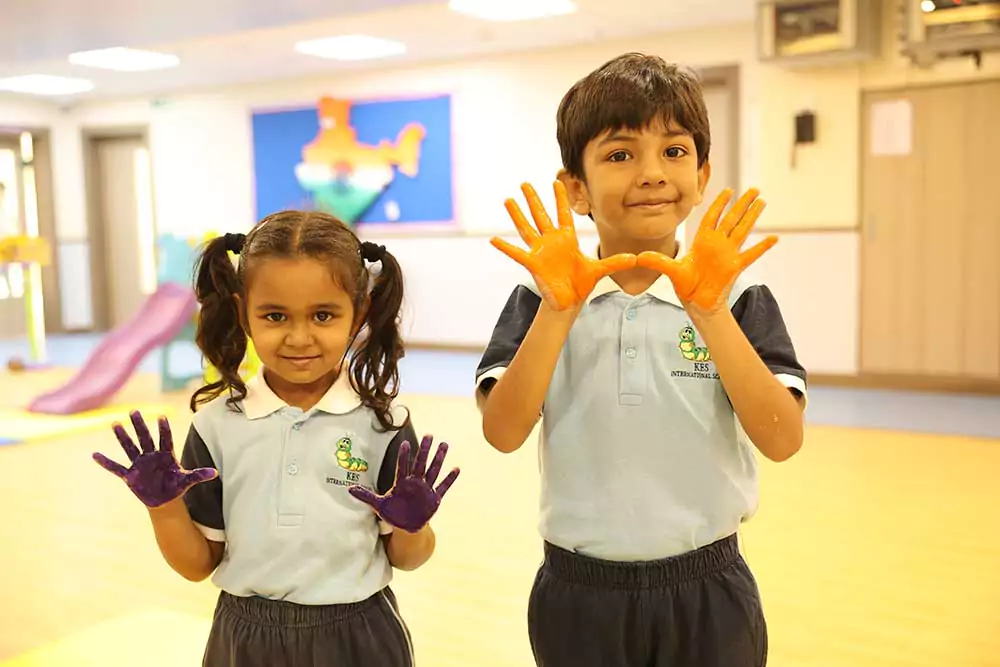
124	59
512	10
350	47
928	5
43	84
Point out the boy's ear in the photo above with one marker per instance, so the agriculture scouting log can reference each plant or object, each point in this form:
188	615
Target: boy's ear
704	174
576	189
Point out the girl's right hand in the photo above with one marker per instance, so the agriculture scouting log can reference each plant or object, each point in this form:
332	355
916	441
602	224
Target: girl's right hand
564	275
155	476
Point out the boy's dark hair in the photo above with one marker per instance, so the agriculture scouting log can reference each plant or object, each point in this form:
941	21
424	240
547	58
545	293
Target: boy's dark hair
222	336
630	92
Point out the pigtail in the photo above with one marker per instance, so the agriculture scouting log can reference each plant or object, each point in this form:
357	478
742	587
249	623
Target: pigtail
375	366
220	335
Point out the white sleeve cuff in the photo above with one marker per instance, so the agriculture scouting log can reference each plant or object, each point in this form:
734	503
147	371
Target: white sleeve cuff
384	528
213	534
796	383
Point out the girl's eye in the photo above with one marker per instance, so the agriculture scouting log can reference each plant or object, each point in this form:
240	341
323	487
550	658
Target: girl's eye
274	317
676	152
618	156
324	316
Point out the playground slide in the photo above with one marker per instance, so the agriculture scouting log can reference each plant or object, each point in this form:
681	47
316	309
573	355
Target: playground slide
164	314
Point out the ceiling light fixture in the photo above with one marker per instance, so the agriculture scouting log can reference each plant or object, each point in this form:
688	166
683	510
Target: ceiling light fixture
44	84
512	10
122	59
351	47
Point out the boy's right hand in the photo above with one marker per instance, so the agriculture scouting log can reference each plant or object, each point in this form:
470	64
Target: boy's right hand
154	477
564	275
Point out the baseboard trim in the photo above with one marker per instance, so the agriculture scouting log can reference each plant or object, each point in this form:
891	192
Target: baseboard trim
899	382
446	347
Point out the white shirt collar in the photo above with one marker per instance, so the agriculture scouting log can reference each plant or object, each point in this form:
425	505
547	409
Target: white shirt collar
261	400
662	289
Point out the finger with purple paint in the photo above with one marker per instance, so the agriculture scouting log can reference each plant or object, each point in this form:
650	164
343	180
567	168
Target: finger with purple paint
155	476
413	500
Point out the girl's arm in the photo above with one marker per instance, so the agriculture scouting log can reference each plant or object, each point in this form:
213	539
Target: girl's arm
186	550
408	551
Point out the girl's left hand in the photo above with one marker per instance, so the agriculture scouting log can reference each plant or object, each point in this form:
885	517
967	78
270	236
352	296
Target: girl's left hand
705	275
412	500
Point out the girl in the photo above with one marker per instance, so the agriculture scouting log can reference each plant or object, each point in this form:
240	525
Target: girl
278	477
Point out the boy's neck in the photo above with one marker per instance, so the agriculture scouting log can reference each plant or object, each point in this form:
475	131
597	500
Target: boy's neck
638	280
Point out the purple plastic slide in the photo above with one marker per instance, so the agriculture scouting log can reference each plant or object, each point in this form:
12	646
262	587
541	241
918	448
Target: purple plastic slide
163	316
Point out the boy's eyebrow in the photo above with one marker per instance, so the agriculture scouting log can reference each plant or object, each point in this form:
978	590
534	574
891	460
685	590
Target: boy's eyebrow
629	136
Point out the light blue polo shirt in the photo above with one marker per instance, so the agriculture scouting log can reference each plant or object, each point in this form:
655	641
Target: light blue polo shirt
641	455
280	502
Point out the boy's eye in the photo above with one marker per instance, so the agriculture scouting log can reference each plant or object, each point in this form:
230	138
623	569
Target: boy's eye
676	152
618	156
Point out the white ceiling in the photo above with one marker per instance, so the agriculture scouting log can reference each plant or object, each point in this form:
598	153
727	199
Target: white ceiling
224	42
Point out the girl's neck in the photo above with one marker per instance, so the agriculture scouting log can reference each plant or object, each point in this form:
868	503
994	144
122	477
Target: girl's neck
298	395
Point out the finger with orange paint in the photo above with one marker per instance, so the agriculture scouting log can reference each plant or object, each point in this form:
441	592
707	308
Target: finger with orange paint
564	275
705	275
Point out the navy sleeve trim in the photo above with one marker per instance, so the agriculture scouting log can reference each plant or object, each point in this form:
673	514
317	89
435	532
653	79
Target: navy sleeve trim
387	473
760	319
204	501
508	334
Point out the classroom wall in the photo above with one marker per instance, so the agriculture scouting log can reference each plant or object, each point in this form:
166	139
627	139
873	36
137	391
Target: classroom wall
504	133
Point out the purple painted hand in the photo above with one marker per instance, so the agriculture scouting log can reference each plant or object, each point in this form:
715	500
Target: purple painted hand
155	477
412	500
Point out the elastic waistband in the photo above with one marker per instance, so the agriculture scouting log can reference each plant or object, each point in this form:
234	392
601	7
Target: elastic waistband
285	614
697	564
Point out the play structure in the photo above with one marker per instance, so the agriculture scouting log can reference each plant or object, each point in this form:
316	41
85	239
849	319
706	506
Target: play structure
168	318
32	253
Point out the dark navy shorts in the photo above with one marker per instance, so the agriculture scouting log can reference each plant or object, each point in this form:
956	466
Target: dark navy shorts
700	609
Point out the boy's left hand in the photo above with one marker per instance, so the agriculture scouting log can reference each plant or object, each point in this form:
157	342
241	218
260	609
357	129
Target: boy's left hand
412	500
705	275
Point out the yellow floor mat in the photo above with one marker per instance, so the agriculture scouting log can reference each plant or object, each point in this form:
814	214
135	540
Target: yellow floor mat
21	426
152	638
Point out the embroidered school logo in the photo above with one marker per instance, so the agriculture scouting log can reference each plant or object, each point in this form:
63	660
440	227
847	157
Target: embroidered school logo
344	458
698	355
352	465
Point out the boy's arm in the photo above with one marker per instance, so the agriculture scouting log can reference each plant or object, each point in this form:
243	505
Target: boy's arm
756	362
405	551
190	530
517	367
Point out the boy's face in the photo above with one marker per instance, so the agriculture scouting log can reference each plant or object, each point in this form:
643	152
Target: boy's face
639	185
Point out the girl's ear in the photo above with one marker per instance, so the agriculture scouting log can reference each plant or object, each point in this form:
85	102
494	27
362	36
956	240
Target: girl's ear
360	316
241	308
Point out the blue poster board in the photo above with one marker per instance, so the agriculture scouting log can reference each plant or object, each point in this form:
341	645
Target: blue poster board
385	162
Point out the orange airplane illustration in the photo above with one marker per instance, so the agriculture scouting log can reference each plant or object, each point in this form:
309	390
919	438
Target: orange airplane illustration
336	145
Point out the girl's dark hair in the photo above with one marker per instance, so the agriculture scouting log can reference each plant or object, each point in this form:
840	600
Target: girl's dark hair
221	334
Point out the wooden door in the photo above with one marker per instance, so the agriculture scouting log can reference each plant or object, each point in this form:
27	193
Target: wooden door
930	301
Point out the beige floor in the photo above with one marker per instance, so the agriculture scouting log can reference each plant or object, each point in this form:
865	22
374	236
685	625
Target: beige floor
872	549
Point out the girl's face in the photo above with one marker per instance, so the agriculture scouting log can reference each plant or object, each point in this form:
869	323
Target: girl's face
301	322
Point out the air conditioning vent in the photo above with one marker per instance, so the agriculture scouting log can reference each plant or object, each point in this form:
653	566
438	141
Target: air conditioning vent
936	29
817	32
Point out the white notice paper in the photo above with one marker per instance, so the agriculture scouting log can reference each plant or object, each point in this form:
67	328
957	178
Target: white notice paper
891	128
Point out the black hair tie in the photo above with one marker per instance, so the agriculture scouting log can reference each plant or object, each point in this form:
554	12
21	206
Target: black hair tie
372	252
234	242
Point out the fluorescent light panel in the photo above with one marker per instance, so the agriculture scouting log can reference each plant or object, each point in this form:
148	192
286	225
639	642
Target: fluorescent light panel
512	10
351	47
123	59
43	84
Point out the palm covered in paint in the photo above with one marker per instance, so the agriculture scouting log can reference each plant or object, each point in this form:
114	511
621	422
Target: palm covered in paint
564	275
413	499
155	476
705	275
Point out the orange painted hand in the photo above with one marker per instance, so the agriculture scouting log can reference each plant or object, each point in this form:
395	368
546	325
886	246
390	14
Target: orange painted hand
705	275
564	275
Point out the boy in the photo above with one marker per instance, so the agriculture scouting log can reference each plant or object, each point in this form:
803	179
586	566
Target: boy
654	376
